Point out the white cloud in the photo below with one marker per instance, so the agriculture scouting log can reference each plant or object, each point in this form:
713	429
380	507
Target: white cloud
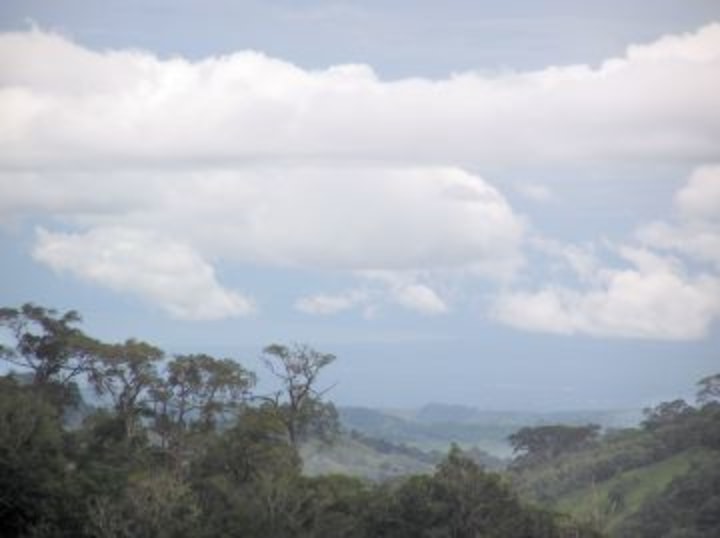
366	218
700	198
380	288
28	193
166	273
65	105
582	260
326	304
652	298
695	232
408	290
375	219
252	160
420	298
697	240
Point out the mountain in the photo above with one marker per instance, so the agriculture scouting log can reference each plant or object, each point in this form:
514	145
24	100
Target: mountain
435	426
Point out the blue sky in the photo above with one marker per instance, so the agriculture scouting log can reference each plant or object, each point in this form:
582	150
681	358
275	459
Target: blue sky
502	205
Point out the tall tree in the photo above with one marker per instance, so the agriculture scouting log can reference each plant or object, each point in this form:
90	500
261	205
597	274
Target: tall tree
666	414
709	389
125	373
47	343
197	390
299	404
207	386
541	443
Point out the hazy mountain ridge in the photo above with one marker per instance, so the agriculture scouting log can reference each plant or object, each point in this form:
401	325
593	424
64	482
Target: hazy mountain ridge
436	425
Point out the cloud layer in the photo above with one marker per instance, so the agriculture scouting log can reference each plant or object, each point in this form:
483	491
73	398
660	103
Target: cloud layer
667	288
652	297
695	230
366	219
66	105
380	289
154	169
167	273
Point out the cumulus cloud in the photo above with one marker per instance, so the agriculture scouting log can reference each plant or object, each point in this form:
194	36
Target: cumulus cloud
695	230
421	298
653	297
381	288
326	304
408	290
369	218
661	292
700	198
252	160
167	273
366	218
63	104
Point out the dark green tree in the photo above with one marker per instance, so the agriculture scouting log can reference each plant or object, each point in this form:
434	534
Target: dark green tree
197	391
51	347
538	444
666	414
245	477
32	464
709	389
126	373
460	500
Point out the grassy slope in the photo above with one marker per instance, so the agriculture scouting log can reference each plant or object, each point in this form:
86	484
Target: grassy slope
592	504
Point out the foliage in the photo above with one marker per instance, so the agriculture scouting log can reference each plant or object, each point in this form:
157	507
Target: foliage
607	504
126	372
460	500
32	466
709	390
542	443
50	347
689	506
352	457
299	404
198	391
613	481
184	449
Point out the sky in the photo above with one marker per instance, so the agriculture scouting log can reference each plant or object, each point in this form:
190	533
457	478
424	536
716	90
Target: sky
509	205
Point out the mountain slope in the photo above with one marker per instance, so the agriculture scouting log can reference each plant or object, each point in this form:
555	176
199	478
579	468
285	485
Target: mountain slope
609	504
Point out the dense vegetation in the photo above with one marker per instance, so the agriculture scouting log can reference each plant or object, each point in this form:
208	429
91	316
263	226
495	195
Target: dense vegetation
184	447
659	480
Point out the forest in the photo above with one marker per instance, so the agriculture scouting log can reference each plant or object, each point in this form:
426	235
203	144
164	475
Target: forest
121	440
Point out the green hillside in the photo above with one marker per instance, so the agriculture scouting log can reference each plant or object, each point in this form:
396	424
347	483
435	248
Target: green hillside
660	480
608	504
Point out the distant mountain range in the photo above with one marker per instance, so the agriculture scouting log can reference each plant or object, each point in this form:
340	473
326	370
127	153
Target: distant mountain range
436	425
